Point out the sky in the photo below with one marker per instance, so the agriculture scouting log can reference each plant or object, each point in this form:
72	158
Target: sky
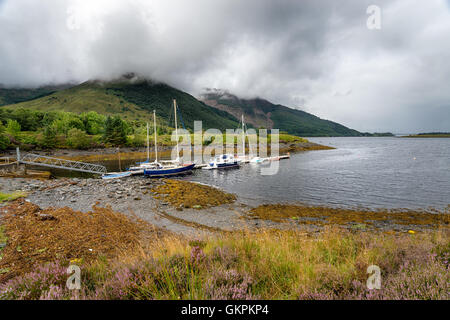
316	55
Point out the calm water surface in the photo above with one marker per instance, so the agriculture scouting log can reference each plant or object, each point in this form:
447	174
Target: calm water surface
366	172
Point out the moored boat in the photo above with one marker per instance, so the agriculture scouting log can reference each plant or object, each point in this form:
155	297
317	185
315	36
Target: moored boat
169	170
222	161
116	175
165	167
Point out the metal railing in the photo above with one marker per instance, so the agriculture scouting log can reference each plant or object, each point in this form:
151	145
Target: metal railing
38	160
6	160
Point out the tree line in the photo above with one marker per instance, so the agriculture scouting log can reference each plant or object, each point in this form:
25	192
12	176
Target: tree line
32	129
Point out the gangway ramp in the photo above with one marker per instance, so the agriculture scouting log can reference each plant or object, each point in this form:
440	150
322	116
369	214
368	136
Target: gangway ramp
57	163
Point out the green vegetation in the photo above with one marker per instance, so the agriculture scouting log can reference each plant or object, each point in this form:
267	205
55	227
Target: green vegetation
260	112
89	96
3	237
378	134
11	196
157	96
124	258
132	101
11	96
429	135
58	129
115	131
135	99
4	140
32	129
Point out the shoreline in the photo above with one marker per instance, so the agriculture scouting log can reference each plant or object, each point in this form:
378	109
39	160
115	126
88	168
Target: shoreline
126	258
125	238
131	153
167	204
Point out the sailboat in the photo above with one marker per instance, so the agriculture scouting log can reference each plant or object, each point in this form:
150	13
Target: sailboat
248	158
167	167
139	168
243	158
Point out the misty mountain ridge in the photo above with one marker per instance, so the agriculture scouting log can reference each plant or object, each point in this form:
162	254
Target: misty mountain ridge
134	98
262	113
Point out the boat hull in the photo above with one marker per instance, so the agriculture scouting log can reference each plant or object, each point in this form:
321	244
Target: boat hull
227	165
116	175
168	172
222	166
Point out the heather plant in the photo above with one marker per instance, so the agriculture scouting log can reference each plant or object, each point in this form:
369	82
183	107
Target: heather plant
197	256
423	280
46	282
118	286
229	285
267	265
224	256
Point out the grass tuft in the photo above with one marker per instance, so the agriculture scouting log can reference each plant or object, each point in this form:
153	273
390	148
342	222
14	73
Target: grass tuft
4	197
267	264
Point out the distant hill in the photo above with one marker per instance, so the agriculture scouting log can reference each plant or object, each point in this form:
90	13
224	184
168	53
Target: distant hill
429	135
262	113
133	99
17	95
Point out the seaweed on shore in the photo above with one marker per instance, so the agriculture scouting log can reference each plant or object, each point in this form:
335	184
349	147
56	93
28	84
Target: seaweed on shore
338	216
36	236
192	195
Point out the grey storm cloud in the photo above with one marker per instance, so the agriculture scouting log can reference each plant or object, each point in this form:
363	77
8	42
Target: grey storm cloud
315	55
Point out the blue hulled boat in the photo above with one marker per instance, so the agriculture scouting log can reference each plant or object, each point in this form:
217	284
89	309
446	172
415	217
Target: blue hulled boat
170	170
165	168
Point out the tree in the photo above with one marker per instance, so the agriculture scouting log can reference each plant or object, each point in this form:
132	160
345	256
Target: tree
115	131
4	140
13	127
93	122
29	120
49	137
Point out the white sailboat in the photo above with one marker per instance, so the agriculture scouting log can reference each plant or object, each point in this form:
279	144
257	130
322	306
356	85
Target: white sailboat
167	167
248	158
139	169
243	158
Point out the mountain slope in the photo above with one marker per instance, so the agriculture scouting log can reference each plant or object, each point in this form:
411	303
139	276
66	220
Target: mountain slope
16	95
262	113
133	100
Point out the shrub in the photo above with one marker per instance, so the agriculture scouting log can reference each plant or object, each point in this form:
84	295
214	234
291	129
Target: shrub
13	127
46	282
48	139
229	285
4	140
78	139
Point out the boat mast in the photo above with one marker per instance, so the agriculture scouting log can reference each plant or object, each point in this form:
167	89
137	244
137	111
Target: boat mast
156	145
148	145
243	136
176	126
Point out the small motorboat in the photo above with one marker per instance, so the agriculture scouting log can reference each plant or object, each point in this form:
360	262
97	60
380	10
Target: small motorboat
116	175
222	161
258	160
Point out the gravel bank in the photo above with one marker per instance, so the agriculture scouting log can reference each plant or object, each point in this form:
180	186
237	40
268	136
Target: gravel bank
134	196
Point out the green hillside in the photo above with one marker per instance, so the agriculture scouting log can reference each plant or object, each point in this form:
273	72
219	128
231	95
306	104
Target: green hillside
262	113
17	95
133	101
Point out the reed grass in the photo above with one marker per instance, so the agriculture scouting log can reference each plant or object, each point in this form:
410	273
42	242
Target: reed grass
266	265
